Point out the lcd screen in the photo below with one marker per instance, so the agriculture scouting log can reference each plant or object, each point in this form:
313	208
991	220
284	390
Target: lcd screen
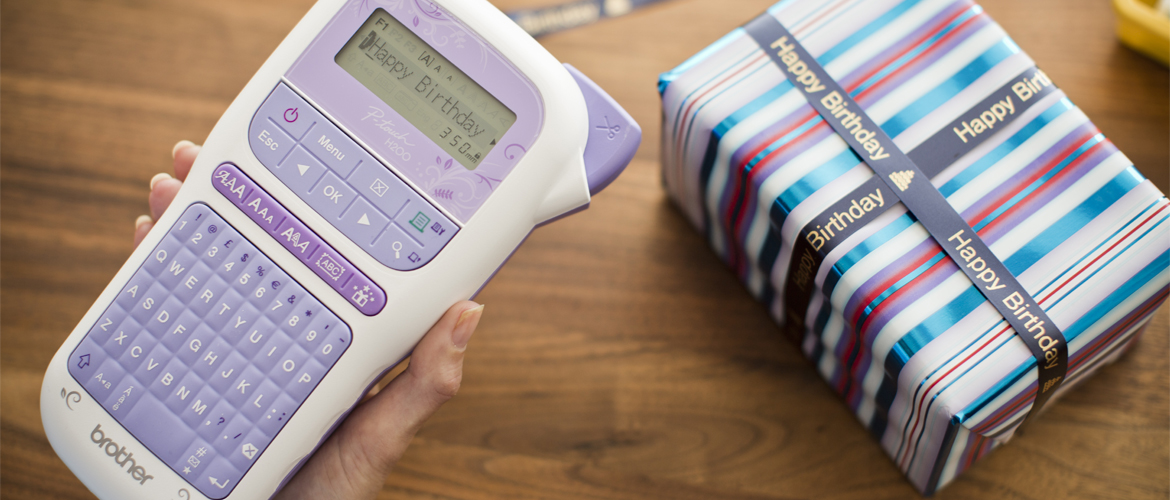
425	88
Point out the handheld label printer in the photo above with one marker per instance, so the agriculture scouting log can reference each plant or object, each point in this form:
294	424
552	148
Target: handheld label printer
380	166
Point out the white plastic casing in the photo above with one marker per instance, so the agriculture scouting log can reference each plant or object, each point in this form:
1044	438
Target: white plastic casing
550	180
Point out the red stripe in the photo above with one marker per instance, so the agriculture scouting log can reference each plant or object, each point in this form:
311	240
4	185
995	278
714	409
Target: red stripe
919	403
935	45
1085	355
736	223
918	415
705	92
1038	173
822	15
1106	252
851	363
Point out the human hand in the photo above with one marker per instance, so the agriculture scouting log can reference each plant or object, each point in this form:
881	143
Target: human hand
354	461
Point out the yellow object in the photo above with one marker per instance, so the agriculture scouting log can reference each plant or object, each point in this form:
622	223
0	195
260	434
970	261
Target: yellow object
1143	28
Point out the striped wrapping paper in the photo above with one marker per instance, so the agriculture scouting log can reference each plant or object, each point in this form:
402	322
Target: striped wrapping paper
927	365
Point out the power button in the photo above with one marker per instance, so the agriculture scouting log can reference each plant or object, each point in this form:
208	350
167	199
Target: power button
286	110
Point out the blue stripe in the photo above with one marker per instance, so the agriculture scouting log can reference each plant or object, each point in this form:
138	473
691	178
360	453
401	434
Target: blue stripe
1077	218
1011	144
665	79
948	89
1156	268
966	302
775	93
1093	141
919	49
817	179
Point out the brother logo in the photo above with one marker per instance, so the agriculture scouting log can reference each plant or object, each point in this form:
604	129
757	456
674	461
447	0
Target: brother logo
119	455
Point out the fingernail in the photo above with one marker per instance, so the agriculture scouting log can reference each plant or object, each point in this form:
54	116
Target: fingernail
180	145
466	326
159	177
141	220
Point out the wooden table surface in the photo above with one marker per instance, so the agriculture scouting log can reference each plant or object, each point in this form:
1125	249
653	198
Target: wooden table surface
617	357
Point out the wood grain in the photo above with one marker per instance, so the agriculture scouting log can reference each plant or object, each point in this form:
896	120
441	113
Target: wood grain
617	357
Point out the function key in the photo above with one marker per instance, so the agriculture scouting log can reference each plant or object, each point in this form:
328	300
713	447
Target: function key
248	447
382	188
288	111
426	224
308	247
399	251
219	479
297	238
364	294
332	268
265	211
86	360
228	180
128	391
362	222
197	457
236	186
330	197
269	143
333	147
300	171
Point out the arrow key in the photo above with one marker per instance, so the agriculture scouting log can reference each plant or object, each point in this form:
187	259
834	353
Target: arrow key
362	222
300	171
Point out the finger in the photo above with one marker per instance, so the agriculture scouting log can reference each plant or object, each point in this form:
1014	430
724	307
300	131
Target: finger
354	462
163	189
184	154
395	414
142	226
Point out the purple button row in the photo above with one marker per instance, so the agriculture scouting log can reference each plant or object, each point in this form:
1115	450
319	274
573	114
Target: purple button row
345	184
351	283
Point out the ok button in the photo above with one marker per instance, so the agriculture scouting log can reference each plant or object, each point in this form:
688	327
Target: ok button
331	196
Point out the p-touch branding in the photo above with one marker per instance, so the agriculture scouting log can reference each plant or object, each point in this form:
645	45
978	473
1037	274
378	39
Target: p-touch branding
370	175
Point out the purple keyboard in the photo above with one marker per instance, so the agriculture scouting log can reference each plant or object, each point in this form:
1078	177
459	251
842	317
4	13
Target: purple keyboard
208	351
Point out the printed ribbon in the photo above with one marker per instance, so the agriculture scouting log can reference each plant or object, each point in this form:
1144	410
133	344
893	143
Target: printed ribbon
905	181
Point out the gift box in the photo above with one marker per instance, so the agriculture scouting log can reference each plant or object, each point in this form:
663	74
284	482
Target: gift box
897	319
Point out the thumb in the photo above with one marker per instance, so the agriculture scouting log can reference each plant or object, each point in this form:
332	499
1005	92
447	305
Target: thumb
354	462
